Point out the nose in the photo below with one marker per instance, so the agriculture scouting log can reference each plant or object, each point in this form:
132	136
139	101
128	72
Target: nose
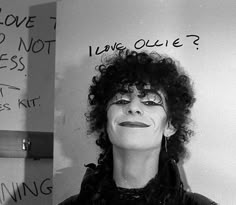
134	107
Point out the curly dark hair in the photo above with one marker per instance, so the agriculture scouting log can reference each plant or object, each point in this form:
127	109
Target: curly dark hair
128	68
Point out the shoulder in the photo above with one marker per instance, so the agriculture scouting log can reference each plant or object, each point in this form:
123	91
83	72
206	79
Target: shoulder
70	201
88	187
197	199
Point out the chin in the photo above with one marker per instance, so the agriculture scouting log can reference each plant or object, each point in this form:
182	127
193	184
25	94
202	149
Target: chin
135	143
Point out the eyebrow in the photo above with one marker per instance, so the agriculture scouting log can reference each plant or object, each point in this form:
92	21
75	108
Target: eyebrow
143	92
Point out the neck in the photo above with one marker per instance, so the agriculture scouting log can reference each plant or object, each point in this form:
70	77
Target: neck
134	168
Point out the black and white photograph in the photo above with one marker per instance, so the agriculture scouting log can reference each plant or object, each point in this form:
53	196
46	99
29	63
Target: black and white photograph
117	102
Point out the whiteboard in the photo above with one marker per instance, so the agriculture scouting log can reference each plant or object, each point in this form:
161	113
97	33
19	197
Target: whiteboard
27	50
27	71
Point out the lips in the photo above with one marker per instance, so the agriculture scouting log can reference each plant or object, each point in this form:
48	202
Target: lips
133	124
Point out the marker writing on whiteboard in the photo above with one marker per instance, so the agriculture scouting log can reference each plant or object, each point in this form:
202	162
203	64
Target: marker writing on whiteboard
2	37
139	44
17	62
6	86
17	21
54	19
196	39
147	43
18	192
106	48
176	43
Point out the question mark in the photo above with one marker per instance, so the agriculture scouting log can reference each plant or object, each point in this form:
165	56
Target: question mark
2	36
195	42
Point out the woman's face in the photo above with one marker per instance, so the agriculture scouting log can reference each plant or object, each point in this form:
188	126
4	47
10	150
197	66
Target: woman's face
138	120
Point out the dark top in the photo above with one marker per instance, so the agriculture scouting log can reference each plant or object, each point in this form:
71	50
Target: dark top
166	188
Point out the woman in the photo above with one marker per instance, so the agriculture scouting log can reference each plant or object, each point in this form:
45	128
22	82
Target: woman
140	105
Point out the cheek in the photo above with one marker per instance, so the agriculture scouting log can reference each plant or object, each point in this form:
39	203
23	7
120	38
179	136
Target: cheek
159	120
110	128
109	124
112	115
114	111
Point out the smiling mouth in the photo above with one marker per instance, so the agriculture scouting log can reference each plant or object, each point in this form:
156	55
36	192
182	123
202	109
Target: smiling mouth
133	124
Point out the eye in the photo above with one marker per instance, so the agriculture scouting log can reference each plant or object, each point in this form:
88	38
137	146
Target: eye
120	99
152	99
121	102
151	103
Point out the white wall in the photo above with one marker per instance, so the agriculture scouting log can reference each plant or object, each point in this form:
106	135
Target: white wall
211	168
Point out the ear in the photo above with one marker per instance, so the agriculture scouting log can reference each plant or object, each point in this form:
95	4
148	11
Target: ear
169	130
